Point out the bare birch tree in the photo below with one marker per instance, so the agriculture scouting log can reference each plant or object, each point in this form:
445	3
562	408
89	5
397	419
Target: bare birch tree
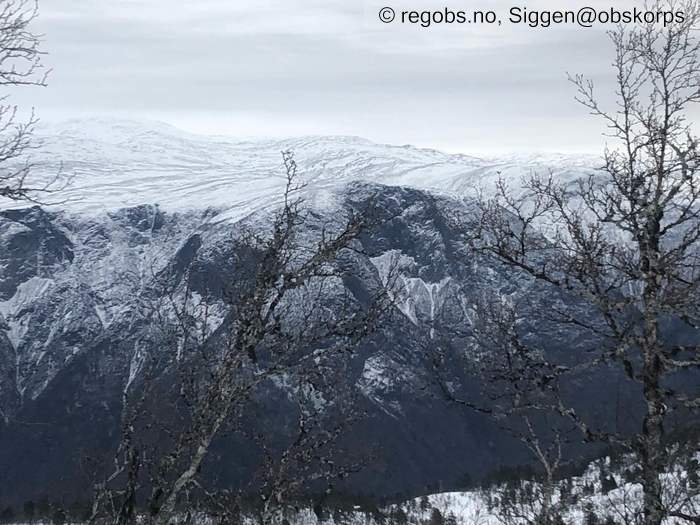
626	240
518	390
20	66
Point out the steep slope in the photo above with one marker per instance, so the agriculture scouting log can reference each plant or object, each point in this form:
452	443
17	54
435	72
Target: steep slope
78	332
75	279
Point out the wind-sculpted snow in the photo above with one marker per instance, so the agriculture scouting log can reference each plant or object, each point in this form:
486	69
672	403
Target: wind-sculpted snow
121	163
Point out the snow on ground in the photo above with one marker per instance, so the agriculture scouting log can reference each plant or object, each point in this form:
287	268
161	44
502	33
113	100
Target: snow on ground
621	504
477	507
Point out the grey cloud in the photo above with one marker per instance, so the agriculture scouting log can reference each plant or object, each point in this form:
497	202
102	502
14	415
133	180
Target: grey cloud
258	67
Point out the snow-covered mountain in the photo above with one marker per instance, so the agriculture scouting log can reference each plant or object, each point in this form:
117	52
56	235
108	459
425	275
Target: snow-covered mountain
121	163
73	278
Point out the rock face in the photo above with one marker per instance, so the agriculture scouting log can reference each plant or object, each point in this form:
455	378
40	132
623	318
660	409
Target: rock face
73	328
32	246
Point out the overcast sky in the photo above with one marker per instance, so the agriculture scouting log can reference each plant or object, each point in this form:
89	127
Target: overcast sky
297	67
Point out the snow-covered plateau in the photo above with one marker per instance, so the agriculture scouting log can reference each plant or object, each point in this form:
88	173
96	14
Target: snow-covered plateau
121	163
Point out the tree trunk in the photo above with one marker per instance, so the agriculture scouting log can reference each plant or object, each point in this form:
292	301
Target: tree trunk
651	449
651	440
127	512
167	509
547	496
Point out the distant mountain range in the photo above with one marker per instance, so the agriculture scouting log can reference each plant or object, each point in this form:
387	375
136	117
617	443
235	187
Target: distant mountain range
120	163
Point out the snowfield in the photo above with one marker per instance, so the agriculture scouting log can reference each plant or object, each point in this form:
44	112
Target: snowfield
121	163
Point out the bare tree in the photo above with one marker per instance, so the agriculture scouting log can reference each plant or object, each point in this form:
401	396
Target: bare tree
285	318
626	240
518	389
314	453
20	65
